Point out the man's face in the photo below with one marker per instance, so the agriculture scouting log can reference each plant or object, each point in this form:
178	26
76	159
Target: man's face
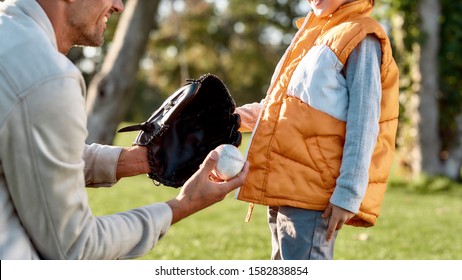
87	19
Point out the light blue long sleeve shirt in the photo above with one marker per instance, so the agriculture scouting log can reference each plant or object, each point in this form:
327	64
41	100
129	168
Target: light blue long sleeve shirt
362	72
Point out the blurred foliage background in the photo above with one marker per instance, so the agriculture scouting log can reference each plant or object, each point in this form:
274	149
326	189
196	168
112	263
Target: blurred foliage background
241	41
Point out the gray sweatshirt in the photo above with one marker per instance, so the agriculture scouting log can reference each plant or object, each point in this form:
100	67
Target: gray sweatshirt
44	162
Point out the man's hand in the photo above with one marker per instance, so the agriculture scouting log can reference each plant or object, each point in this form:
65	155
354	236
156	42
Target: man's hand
202	190
337	217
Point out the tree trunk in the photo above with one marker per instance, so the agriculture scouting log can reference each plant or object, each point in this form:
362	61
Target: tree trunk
453	163
111	90
409	152
430	142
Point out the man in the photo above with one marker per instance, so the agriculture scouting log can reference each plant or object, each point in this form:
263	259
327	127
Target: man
44	162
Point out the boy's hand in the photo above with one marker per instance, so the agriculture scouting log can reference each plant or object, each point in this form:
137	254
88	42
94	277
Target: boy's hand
337	217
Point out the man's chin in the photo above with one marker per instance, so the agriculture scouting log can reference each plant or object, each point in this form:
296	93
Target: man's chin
96	42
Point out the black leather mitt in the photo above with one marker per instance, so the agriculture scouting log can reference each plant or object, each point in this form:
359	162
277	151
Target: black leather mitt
194	120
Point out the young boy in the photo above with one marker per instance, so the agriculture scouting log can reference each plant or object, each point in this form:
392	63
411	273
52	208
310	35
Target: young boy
324	137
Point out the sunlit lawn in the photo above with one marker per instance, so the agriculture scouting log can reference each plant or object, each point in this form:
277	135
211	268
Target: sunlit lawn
414	224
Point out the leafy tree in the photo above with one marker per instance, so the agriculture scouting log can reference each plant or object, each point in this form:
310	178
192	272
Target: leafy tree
430	124
450	66
238	40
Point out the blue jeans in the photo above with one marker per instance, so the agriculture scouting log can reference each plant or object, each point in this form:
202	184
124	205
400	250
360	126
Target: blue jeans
299	234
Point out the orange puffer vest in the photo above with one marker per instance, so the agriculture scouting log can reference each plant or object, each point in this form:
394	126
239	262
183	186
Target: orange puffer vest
295	152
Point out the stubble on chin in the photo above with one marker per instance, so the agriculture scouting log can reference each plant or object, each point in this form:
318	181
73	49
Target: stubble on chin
90	40
87	36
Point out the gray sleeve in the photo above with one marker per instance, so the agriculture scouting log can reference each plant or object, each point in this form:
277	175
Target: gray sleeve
47	185
362	72
100	164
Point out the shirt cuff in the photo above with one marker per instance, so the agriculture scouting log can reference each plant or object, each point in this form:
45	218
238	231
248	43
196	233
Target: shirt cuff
166	220
156	220
344	198
101	163
161	218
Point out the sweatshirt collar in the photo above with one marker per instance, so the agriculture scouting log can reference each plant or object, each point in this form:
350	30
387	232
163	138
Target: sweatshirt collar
33	9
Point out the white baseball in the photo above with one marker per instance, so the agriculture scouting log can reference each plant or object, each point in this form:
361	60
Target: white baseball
230	162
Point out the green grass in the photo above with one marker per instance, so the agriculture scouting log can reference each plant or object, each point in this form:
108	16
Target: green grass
412	226
418	222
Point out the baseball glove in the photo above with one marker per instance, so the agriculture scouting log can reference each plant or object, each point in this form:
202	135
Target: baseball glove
194	120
